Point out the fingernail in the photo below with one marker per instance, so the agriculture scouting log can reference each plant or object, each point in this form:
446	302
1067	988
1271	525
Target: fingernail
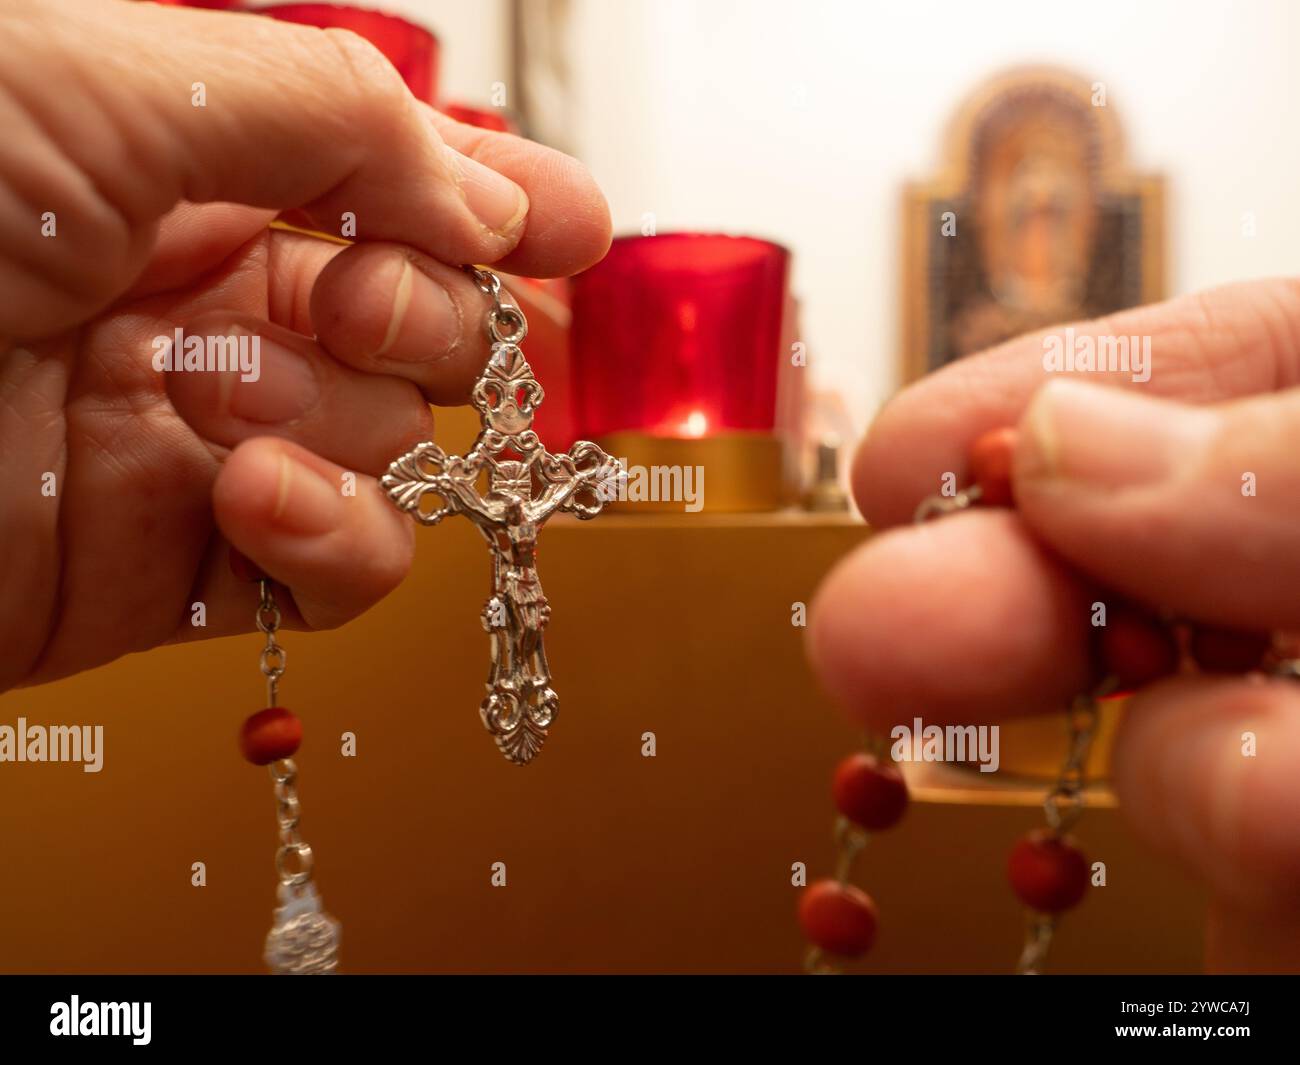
278	386
1107	437
422	309
401	288
496	201
306	503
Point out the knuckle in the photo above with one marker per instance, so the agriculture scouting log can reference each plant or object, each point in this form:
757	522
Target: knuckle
364	66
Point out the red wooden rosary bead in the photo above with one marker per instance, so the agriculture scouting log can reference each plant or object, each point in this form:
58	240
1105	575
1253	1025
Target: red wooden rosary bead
269	735
1048	874
1220	650
839	918
243	569
1136	647
868	793
990	466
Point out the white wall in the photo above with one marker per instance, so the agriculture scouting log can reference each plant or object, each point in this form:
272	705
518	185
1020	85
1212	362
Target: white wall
799	120
475	39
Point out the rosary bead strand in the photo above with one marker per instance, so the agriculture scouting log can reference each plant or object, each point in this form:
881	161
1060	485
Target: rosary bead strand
838	918
1047	870
304	939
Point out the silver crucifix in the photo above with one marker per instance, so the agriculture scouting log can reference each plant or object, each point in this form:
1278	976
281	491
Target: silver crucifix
526	484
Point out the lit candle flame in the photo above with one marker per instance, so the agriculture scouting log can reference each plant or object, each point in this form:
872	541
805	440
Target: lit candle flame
696	424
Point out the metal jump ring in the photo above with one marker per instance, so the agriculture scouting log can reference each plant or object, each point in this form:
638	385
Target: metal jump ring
511	317
304	855
487	281
1062	808
289	812
282	660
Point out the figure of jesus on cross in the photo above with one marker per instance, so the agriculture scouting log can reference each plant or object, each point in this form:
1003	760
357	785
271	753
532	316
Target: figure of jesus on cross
520	704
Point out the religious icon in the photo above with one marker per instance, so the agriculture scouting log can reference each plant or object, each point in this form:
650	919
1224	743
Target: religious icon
1034	222
525	486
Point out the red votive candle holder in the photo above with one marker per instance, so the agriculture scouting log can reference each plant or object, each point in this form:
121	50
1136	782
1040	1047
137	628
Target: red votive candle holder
679	335
412	49
677	352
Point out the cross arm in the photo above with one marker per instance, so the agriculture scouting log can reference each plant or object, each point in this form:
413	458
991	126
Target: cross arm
586	466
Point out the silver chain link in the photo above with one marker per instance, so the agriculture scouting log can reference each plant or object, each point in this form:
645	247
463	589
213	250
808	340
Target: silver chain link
851	841
293	860
1064	804
1038	941
505	321
273	658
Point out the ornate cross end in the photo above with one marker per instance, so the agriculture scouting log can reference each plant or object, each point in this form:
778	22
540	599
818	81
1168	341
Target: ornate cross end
526	484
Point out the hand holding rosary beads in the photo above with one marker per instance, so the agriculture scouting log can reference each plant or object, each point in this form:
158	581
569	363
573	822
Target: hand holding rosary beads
1047	870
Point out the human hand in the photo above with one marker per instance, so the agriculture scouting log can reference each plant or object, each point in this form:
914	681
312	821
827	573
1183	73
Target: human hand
127	212
1134	488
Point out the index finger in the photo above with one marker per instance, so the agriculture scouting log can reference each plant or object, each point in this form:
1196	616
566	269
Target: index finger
1233	341
159	105
568	220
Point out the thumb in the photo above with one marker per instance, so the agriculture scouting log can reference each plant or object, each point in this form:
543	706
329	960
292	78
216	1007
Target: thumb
1188	508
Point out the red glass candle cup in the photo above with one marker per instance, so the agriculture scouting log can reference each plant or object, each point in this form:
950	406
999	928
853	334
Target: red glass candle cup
412	49
679	335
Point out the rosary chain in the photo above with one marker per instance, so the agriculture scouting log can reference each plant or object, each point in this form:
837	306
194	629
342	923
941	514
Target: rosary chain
1062	807
274	657
1064	804
293	849
1038	941
506	322
293	858
487	281
850	842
